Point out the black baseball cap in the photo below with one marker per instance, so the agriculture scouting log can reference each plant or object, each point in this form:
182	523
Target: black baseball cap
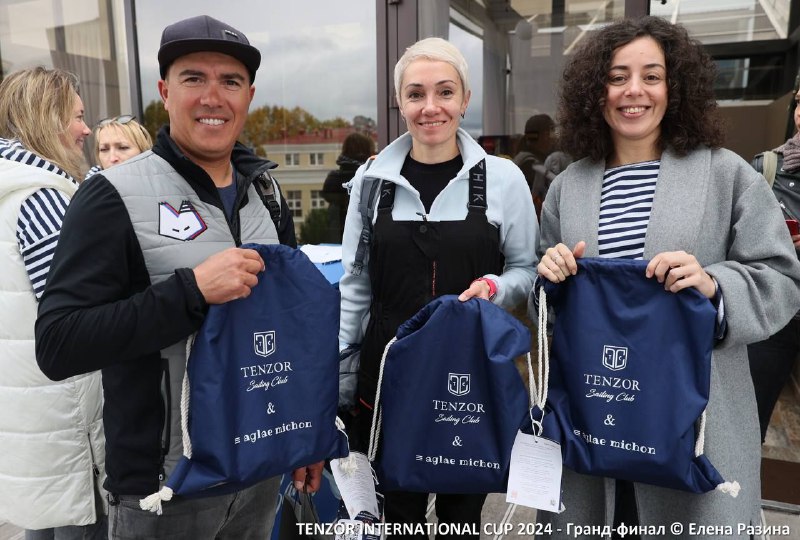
206	34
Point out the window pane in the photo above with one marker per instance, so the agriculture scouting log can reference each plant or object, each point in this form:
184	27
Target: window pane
726	21
86	37
471	46
316	200
294	199
515	53
539	40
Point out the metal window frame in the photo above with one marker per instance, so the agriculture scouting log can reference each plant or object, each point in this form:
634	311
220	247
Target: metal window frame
397	28
132	43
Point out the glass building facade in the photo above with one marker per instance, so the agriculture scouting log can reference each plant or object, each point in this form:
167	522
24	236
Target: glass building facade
327	66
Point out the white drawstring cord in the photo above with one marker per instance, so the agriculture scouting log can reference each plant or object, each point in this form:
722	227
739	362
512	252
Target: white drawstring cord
701	436
544	364
375	429
732	488
153	502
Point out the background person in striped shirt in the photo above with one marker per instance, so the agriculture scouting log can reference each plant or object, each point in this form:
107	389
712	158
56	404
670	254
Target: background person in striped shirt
637	110
51	434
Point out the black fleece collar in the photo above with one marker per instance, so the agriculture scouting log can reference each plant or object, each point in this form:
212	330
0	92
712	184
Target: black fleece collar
244	160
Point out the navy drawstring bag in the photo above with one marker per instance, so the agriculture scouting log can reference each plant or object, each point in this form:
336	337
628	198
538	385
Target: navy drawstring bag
450	399
629	378
261	384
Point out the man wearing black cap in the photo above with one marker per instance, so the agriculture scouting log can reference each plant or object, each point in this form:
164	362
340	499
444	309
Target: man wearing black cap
145	248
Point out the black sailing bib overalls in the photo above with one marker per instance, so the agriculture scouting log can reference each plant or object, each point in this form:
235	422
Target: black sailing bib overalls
410	264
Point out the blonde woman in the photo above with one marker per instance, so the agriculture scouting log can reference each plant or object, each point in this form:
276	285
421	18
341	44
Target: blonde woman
51	434
117	139
486	251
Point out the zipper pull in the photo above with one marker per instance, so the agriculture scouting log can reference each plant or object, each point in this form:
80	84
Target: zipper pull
786	210
424	216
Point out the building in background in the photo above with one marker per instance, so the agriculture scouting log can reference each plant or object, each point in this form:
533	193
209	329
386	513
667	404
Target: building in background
304	161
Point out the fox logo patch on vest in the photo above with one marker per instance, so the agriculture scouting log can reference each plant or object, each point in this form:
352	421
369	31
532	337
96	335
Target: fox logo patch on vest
183	224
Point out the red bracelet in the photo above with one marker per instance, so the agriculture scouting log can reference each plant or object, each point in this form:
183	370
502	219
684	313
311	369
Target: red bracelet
492	286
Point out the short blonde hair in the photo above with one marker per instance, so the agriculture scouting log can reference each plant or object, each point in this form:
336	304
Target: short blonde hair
131	130
436	49
36	108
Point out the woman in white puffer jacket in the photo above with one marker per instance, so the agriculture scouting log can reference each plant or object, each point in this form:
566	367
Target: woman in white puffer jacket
51	433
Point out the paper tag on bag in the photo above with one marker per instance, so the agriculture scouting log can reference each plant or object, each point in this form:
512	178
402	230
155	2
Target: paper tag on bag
535	476
354	529
353	475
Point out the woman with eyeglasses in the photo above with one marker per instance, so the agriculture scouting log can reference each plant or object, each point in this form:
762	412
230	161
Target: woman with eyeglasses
51	433
118	139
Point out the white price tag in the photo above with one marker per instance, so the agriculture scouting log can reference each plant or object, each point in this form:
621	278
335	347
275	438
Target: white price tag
356	484
535	476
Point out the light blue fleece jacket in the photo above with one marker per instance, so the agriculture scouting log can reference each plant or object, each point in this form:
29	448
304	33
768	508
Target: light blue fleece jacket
509	208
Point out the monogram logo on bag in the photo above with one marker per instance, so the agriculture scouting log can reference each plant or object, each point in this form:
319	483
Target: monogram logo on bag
264	343
458	384
615	358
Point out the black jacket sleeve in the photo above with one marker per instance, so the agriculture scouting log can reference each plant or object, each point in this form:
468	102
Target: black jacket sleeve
286	234
99	308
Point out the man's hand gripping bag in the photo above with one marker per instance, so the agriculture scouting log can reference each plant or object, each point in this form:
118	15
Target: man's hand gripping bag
261	386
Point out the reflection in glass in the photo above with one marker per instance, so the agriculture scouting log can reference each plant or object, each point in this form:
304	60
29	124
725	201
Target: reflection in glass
81	36
728	21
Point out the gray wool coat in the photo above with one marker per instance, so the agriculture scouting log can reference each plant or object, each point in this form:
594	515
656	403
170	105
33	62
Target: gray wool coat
712	204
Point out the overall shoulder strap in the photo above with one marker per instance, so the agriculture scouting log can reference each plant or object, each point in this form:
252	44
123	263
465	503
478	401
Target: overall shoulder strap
370	188
267	190
477	188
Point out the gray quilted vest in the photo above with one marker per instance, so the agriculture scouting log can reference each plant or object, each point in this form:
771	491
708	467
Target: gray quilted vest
175	229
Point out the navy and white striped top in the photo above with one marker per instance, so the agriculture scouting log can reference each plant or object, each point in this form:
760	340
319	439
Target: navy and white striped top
626	200
38	229
40	216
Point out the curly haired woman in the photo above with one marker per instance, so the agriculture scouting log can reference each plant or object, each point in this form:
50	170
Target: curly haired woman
637	110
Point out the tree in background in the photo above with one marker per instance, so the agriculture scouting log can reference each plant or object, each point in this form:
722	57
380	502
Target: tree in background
270	123
265	124
155	116
314	227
